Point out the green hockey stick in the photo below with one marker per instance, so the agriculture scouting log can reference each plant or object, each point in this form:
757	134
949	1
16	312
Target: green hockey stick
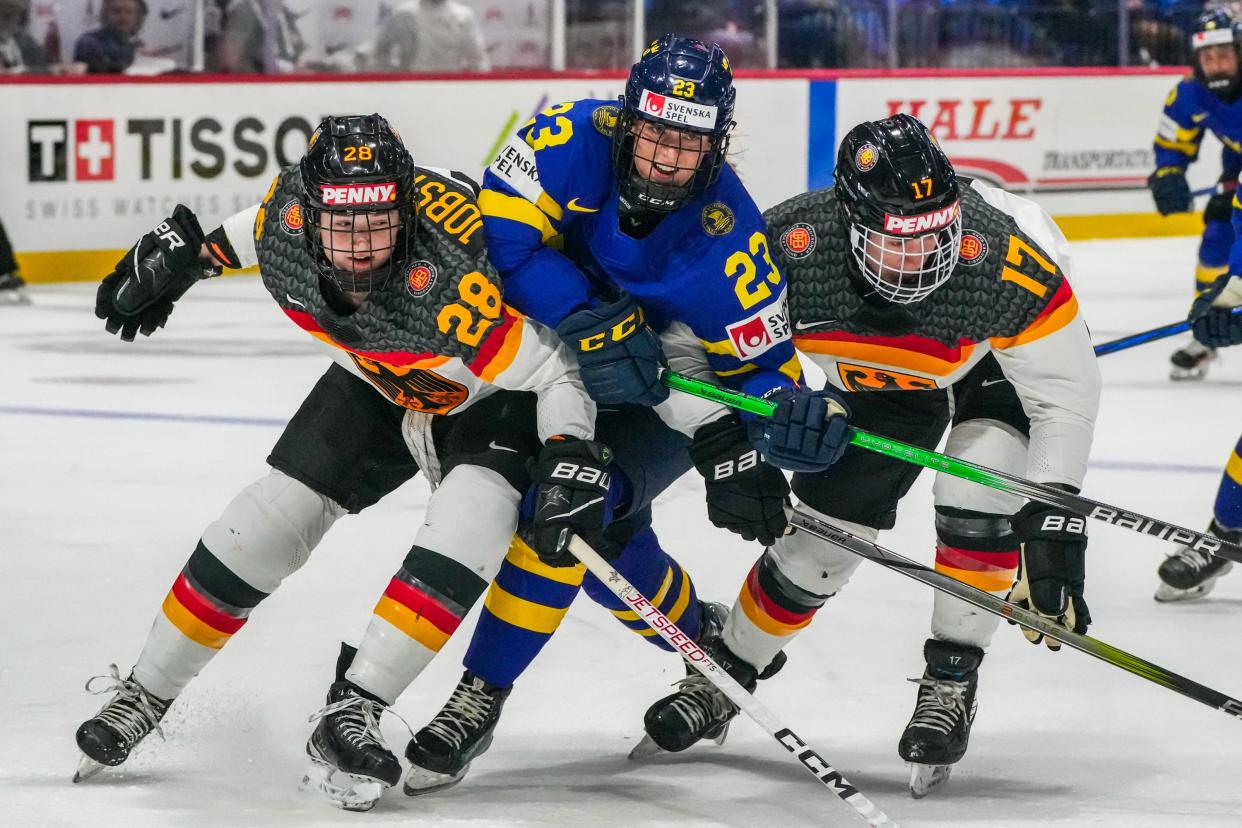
977	474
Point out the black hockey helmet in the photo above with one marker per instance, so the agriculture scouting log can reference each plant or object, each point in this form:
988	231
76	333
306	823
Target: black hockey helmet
684	88
898	195
1218	28
358	190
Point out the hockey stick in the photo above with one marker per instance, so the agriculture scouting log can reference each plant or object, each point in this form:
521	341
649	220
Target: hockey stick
828	776
966	470
1114	345
1014	613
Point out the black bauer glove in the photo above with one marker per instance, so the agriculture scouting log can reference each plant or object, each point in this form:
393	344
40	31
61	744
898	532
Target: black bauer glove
619	356
1217	326
744	494
1052	572
138	295
1170	190
571	481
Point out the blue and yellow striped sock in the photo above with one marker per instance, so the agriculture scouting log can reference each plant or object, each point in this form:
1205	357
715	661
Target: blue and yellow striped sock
1228	508
657	576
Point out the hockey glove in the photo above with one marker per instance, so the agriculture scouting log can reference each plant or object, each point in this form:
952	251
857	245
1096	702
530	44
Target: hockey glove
808	432
619	356
138	295
1220	206
1170	190
1211	315
1052	571
571	497
744	494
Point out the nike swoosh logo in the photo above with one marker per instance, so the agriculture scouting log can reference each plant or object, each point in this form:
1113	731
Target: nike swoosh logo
1199	118
578	208
986	383
494	445
169	14
293	301
806	326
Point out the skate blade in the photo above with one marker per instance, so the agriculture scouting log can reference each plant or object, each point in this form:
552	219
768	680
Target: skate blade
347	791
648	748
645	749
87	767
1166	594
420	781
926	778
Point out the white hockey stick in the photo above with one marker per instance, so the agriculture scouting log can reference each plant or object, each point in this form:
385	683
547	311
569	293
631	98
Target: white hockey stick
818	767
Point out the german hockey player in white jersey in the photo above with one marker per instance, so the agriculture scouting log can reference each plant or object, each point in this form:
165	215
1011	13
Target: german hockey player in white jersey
930	302
384	264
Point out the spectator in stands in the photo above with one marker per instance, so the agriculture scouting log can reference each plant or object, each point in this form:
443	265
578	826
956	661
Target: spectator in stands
110	49
18	50
432	36
252	38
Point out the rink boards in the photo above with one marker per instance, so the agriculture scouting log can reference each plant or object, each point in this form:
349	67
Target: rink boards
101	161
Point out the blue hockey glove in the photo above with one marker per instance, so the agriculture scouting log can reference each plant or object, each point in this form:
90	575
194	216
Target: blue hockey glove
1217	326
808	432
619	356
1170	190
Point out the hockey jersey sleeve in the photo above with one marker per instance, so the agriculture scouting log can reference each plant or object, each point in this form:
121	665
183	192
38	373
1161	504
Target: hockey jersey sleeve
1178	134
524	198
686	355
756	353
1051	362
522	355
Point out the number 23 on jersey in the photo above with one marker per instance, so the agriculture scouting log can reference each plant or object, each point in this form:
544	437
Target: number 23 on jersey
744	269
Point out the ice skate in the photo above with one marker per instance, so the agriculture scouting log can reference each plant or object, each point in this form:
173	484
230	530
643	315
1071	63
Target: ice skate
698	710
13	290
938	732
1191	361
713	616
107	739
1189	573
440	754
350	764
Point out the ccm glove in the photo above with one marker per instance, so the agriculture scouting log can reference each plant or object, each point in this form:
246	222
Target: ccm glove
808	432
744	494
571	480
1170	190
1052	571
619	356
1212	319
138	295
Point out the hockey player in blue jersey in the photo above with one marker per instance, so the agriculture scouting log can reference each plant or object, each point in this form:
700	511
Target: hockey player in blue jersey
622	225
1189	573
1207	102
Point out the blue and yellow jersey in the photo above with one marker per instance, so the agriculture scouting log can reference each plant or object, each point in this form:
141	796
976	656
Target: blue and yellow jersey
550	213
1189	111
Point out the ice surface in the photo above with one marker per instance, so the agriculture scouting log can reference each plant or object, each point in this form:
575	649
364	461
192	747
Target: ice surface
114	457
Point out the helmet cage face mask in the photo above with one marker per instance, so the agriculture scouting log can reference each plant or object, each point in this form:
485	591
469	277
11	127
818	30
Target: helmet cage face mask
680	89
628	151
907	268
358	202
382	235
